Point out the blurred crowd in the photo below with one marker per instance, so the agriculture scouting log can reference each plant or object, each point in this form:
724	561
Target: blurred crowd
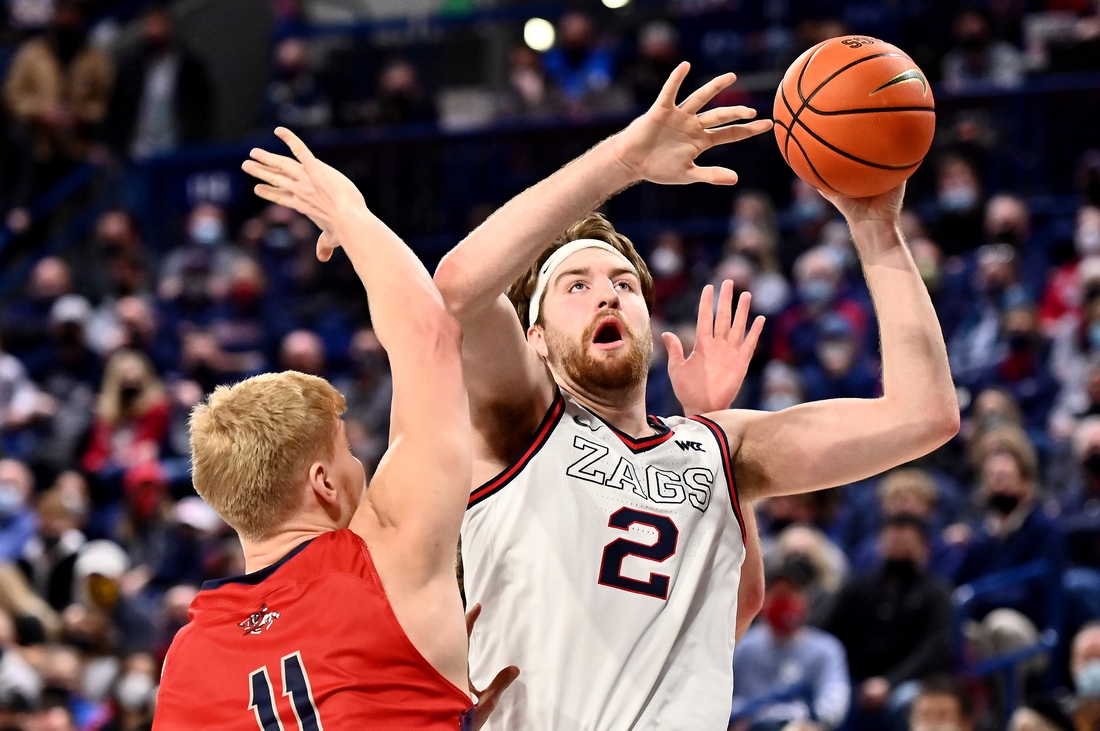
107	347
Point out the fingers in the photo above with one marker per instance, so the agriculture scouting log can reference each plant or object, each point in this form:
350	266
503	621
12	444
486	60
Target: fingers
294	143
269	175
473	613
738	132
282	163
753	337
274	195
667	97
741	317
702	96
724	317
712	175
675	349
326	244
488	699
704	323
725	115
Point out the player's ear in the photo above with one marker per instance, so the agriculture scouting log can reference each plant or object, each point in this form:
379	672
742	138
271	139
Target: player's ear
537	341
322	486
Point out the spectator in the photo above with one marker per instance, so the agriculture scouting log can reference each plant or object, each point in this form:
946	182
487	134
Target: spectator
658	55
841	368
176	603
62	695
1085	672
294	98
1013	531
19	681
100	604
1061	305
979	57
53	718
303	351
958	226
16	511
941	705
783	655
26	319
22	404
782	387
895	622
131	419
207	249
1040	715
66	362
163	98
116	249
58	88
400	98
581	69
368	398
819	279
49	556
531	94
134	695
1076	349
669	261
1008	221
757	242
828	564
247	322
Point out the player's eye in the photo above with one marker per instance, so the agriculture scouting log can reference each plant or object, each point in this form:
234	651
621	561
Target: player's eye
625	286
576	286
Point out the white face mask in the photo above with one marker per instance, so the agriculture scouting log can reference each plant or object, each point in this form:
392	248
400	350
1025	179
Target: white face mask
935	727
134	691
1087	239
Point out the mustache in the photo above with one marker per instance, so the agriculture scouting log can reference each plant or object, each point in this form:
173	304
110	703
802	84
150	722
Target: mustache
590	331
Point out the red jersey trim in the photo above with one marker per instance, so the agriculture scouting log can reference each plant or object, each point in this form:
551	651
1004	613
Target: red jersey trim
542	434
664	433
727	467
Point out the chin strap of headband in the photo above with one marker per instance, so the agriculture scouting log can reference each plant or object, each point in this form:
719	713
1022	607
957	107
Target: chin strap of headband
555	261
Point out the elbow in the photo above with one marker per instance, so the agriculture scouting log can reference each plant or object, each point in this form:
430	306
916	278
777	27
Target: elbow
940	422
450	281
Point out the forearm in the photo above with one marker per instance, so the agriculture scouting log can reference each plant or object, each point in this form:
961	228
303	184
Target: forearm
916	376
403	299
750	591
472	276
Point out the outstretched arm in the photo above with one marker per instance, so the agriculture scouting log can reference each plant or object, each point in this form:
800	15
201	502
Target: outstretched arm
417	497
660	146
829	443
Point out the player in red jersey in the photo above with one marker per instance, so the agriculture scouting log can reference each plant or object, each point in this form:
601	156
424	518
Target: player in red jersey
350	615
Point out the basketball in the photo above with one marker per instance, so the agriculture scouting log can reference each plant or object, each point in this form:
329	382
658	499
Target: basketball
854	116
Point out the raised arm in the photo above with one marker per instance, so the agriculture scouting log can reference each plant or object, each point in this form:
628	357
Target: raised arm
829	443
660	146
416	500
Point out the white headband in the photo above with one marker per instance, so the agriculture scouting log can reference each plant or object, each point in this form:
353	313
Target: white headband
555	261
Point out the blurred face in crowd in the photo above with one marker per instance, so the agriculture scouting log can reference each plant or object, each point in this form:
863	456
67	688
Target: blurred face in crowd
16	484
1021	330
1007	220
996	270
1085	663
399	80
904	550
785	608
667	258
1086	231
292	57
52	719
368	357
50	279
206	224
837	354
957	186
972	32
594	323
659	42
575	31
818	277
937	712
157	30
115	234
304	352
1003	485
993	408
928	258
782	387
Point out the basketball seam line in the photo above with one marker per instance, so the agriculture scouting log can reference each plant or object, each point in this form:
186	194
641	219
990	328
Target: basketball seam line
805	100
790	136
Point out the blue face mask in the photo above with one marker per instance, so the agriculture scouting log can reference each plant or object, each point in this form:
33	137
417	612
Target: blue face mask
816	292
207	231
960	198
1088	680
11	500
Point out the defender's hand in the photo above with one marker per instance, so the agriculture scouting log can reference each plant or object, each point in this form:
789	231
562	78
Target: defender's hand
306	184
885	207
661	145
487	699
709	379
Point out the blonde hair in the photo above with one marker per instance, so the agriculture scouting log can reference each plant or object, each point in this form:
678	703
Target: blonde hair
592	226
911	481
109	407
252	445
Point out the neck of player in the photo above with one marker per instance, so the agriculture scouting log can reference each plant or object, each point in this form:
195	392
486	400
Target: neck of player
623	408
259	555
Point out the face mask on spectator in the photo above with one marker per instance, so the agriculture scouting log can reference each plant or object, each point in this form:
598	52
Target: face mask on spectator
1087	681
207	231
1003	503
11	499
816	291
1087	240
134	690
779	401
129	393
279	237
1019	341
958	198
809	208
902	569
785	613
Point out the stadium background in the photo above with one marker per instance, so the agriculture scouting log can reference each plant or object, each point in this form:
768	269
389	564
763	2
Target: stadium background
137	271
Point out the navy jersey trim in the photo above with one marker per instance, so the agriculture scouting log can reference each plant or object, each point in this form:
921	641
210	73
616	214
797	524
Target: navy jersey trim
637	446
256	577
542	434
727	467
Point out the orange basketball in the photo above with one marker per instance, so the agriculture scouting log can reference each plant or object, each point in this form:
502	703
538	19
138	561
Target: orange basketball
854	116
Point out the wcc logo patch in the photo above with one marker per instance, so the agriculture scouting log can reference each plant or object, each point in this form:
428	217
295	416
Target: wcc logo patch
689	446
259	621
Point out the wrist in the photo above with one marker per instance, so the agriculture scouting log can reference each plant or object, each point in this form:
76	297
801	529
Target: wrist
616	150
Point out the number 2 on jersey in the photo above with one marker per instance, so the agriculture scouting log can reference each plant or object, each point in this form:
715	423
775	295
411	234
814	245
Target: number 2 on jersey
296	685
613	554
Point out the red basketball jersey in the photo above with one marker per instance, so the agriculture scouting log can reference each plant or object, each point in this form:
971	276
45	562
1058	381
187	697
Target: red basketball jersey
308	643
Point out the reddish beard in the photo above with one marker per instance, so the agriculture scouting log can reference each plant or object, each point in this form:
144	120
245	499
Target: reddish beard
619	370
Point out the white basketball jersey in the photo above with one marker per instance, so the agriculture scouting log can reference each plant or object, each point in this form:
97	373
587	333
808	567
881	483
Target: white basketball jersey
607	570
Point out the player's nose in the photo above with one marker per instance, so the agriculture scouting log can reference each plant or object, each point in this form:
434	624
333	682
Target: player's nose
609	296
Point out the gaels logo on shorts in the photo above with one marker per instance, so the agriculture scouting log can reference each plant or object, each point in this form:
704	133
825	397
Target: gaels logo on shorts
257	622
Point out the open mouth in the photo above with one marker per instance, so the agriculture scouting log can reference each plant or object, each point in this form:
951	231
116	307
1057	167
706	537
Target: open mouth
609	334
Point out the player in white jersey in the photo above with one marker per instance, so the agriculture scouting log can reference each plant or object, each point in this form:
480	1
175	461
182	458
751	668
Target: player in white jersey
605	545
